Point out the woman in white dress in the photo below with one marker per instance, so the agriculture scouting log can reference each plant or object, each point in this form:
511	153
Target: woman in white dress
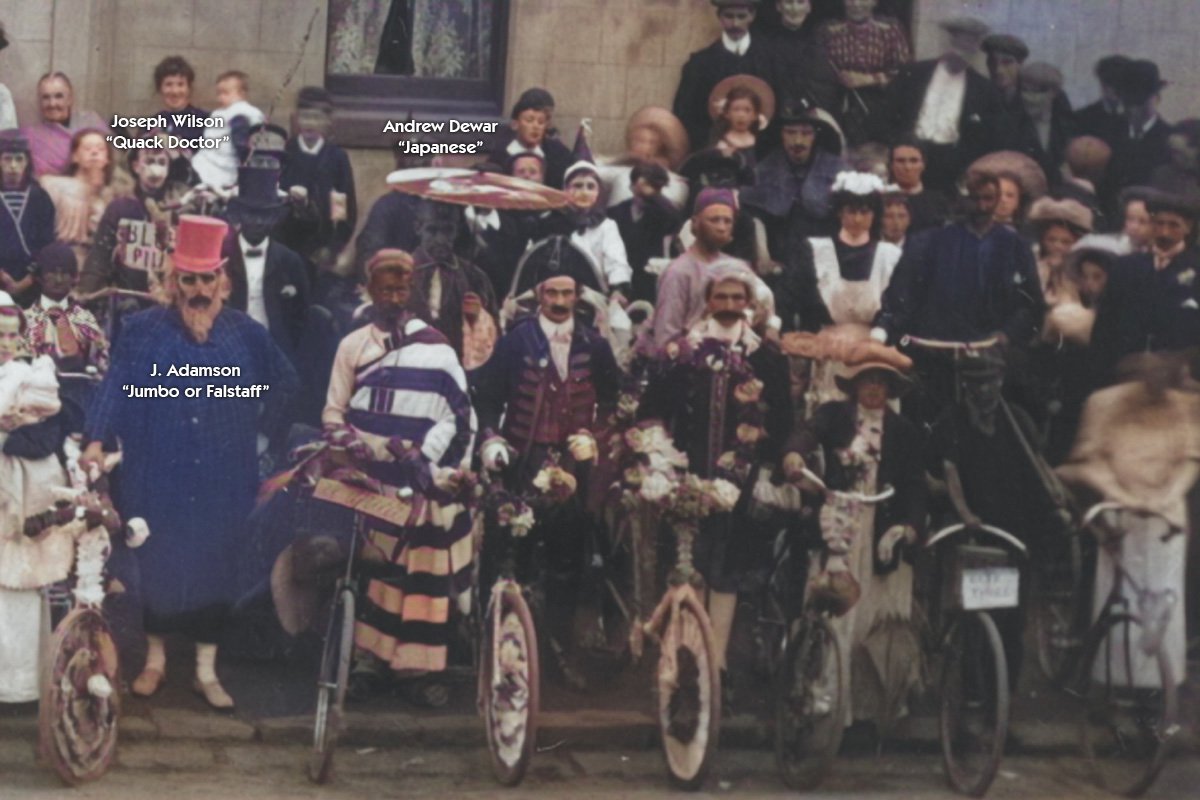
853	269
28	476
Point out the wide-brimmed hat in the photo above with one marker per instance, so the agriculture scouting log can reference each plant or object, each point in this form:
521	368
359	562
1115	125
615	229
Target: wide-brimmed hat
1074	214
299	579
669	128
198	244
871	356
797	110
258	194
1027	171
766	96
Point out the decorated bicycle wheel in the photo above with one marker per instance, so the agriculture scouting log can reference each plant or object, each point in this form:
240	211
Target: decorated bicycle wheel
80	704
810	706
974	708
1129	698
688	685
331	687
509	680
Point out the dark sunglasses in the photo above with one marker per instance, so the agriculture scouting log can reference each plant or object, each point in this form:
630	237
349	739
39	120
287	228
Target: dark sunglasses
205	278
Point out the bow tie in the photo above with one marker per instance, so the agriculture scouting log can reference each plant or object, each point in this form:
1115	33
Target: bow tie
256	252
560	337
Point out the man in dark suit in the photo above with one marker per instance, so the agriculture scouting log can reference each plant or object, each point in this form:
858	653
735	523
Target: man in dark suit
268	281
1105	118
644	221
1045	122
733	54
1158	293
956	113
1141	145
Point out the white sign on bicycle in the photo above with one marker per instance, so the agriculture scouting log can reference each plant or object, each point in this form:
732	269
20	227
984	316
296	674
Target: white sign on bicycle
990	587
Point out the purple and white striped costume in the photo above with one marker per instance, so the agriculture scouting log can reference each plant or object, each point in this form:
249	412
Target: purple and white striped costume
414	389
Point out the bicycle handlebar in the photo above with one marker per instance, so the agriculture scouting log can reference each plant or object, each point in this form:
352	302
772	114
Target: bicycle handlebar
859	496
1111	505
939	344
958	527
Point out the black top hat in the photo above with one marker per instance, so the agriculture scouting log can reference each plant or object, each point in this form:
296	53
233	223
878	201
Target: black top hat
258	193
1139	82
13	141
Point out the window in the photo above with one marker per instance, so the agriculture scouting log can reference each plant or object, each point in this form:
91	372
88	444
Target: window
400	59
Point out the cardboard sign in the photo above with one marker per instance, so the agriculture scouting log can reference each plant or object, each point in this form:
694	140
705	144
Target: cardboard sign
137	246
389	509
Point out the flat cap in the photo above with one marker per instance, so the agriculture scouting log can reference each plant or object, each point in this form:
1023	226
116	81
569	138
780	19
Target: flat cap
968	25
1040	75
1007	44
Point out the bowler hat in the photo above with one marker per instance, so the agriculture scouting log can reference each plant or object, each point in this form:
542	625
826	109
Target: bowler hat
1139	82
198	244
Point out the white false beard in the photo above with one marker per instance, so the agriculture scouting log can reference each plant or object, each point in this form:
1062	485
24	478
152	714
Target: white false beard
199	321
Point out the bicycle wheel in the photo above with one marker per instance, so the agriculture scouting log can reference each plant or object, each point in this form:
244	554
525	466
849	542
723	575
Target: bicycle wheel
1129	699
331	686
974	707
509	681
809	705
689	696
1057	608
80	704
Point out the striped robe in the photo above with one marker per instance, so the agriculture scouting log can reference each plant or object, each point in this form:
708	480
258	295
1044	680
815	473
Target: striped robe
416	391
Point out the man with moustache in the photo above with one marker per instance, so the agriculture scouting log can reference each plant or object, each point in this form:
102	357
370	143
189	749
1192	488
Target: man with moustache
724	390
551	378
189	464
965	282
398	400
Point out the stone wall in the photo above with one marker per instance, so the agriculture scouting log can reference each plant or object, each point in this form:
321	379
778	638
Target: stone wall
1073	34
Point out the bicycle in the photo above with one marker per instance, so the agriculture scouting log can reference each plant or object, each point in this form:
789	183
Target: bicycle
1124	679
509	668
809	691
687	680
80	705
1056	576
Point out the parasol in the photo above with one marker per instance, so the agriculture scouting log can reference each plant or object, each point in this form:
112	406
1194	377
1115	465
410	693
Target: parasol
466	187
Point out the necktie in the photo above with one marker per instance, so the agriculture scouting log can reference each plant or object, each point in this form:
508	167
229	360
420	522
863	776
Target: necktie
68	343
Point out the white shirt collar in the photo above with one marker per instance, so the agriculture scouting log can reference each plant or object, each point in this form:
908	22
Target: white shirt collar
313	150
244	245
550	327
739	47
515	147
47	304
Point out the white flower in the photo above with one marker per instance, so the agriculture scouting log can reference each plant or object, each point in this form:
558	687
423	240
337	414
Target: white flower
725	494
288	291
522	523
860	183
656	487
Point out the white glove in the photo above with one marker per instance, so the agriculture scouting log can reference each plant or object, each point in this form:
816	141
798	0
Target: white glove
879	335
447	479
786	497
495	453
582	446
894	534
298	194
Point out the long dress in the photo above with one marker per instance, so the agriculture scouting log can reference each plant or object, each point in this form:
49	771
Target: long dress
874	635
851	281
26	487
